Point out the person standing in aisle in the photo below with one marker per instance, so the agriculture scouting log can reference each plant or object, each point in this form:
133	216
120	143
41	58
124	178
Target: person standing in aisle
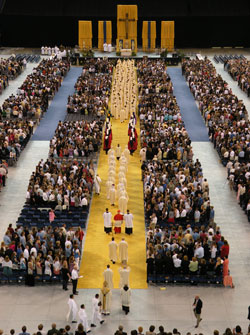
74	278
197	309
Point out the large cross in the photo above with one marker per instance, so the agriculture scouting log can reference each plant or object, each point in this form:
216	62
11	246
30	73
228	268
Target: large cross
126	20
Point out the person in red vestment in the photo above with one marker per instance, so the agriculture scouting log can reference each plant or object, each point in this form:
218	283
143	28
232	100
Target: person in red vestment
132	143
107	140
118	218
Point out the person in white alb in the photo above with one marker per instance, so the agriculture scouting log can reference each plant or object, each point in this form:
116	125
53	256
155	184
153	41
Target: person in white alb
108	277
72	309
112	194
107	216
74	278
124	276
96	311
113	250
83	319
123	251
125	298
97	184
118	152
128	218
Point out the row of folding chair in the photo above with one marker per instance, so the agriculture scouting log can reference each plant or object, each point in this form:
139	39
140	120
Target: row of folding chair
20	277
185	279
224	58
29	58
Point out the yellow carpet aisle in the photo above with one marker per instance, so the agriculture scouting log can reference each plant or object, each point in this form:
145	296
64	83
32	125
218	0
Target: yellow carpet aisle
95	255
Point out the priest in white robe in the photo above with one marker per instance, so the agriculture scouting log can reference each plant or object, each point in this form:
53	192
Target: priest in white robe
123	181
123	251
97	184
122	169
118	152
108	276
113	247
112	195
123	203
124	276
111	152
121	175
126	153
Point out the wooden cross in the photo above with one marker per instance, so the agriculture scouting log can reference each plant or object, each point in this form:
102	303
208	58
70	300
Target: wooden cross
126	20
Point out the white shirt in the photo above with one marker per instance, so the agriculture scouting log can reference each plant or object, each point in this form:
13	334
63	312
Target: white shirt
74	274
107	219
128	218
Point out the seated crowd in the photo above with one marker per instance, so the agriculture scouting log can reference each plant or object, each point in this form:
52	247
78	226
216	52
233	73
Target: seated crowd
176	191
79	330
174	251
92	88
160	118
44	251
181	237
9	69
76	139
240	71
14	135
60	184
227	120
38	88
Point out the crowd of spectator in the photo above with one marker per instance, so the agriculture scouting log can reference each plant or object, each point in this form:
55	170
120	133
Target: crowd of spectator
38	88
9	69
38	252
76	139
227	120
182	237
92	88
160	118
60	183
79	330
240	71
14	135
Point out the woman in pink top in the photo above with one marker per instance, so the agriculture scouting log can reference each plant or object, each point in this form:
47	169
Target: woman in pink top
51	216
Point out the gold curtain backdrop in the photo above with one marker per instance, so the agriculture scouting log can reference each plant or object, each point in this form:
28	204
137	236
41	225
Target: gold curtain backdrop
85	34
101	33
132	12
167	35
145	45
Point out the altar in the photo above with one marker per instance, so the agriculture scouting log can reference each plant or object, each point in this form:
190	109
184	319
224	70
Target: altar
126	52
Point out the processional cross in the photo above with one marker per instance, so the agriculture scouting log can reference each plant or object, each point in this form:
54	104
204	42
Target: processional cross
126	20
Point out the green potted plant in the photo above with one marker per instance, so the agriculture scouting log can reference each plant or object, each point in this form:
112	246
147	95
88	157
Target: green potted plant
164	53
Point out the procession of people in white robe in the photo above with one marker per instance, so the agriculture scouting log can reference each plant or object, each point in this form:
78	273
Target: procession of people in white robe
118	192
124	90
